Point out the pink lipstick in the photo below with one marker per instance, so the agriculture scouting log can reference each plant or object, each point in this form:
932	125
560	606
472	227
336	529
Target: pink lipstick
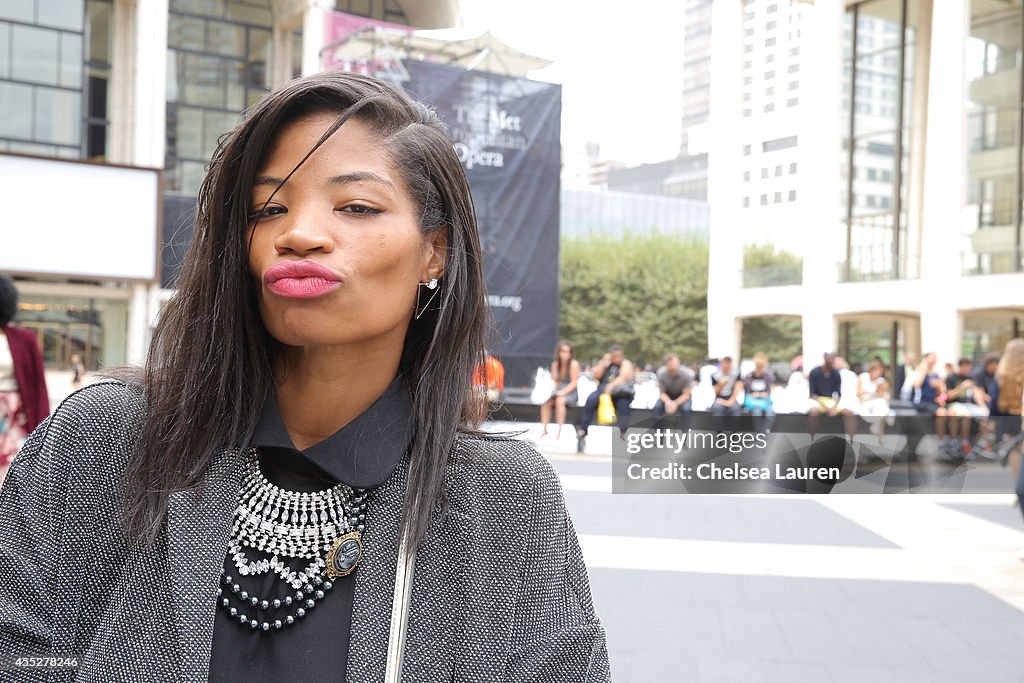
304	279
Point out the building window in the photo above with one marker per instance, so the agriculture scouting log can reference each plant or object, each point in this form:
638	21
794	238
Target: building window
764	200
779	143
768	108
992	232
746	176
746	150
218	64
876	220
778	197
746	202
54	70
792	168
778	171
764	173
792	195
792	102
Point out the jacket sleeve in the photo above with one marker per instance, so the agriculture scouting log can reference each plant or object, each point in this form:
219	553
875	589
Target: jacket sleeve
25	546
556	635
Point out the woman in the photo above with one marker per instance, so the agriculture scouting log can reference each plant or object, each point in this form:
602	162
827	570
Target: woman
305	495
873	395
565	371
24	401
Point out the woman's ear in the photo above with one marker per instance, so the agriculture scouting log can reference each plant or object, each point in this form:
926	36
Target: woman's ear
436	253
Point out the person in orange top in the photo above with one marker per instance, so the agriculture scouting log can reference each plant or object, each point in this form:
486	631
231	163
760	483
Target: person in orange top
491	376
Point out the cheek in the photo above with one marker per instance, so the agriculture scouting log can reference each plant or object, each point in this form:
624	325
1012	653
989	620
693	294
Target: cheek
255	247
390	259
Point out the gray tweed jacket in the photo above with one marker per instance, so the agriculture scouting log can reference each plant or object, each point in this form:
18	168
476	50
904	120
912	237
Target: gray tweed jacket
500	591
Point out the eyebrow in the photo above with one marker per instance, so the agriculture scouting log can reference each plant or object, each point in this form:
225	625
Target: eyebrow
344	179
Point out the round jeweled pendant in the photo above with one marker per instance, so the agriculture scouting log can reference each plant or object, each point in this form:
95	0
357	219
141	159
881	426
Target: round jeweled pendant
345	555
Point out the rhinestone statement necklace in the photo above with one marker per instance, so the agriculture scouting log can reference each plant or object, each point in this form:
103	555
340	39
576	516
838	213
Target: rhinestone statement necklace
321	528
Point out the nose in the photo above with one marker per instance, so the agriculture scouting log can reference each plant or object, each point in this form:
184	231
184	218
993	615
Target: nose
304	233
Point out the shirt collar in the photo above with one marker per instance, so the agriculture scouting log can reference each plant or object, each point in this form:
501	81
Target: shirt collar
361	454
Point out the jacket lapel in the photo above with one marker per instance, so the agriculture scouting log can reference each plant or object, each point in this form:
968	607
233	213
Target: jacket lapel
197	536
435	619
375	579
437	605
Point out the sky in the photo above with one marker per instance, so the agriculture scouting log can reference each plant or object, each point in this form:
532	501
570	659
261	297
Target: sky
621	72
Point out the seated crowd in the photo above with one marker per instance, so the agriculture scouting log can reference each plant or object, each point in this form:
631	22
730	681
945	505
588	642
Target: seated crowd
961	400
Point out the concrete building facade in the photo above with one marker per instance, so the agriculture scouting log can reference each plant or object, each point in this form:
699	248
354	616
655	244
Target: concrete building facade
903	205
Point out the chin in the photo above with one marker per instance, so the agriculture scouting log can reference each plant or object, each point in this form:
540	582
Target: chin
317	333
305	336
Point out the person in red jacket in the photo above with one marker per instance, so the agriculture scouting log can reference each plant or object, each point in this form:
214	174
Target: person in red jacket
24	402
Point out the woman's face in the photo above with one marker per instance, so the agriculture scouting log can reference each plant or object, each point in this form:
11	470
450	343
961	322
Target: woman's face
564	352
337	254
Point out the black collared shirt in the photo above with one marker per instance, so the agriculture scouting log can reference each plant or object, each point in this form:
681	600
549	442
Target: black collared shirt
362	454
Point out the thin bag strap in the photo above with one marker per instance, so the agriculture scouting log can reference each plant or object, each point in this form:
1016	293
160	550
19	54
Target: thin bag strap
399	614
404	569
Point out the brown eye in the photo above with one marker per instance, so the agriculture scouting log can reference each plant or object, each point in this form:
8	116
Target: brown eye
267	212
360	209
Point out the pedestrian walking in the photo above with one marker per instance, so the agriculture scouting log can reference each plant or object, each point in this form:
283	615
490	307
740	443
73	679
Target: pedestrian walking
24	401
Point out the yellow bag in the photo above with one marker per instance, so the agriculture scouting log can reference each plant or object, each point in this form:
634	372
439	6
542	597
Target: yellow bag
605	410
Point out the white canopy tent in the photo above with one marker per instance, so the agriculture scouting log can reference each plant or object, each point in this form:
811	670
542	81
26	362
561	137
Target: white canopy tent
380	50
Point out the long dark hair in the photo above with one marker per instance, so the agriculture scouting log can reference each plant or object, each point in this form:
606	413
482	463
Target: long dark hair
210	363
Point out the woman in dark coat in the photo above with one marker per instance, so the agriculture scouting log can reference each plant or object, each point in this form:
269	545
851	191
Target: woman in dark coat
294	487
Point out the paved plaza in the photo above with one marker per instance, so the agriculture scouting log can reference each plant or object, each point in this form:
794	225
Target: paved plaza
797	588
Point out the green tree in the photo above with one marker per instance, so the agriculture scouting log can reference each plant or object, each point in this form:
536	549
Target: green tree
647	292
766	266
781	339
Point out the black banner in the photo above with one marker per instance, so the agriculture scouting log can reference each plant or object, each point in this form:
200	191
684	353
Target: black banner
507	133
179	213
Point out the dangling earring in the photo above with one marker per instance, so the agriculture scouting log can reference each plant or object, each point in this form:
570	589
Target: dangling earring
432	285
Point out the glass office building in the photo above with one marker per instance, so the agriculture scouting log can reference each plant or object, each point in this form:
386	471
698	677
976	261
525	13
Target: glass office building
54	77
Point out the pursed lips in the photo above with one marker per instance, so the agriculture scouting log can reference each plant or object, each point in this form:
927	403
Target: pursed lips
300	279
